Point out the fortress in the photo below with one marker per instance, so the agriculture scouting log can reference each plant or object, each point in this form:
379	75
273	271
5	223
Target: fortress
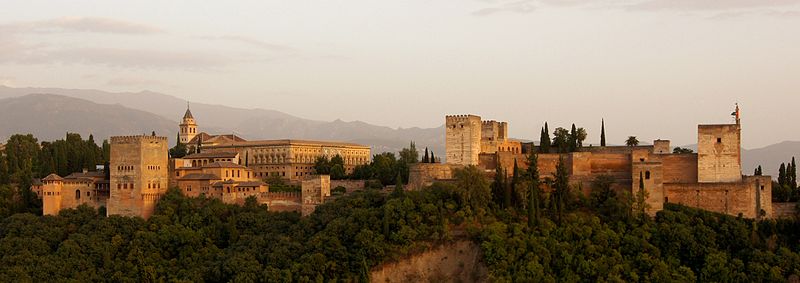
224	167
710	179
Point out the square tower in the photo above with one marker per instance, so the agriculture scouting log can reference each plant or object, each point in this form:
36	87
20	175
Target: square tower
463	139
139	174
719	153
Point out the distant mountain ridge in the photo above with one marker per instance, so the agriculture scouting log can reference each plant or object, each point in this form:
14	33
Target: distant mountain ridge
248	123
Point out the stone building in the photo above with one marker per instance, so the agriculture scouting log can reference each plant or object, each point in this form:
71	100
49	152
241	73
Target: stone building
138	174
57	193
710	179
224	180
289	159
467	137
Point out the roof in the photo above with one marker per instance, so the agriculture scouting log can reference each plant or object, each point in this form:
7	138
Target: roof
290	142
53	177
77	175
206	138
223	164
200	176
211	155
188	113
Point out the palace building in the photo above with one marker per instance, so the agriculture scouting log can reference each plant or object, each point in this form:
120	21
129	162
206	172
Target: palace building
289	159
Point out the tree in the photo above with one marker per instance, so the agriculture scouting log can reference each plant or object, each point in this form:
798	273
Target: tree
426	158
757	171
561	140
473	188
199	144
544	139
398	187
509	190
433	157
641	198
782	175
409	155
603	132
499	186
793	175
322	165
572	140
560	189
632	141
533	191
581	136
680	150
179	150
384	167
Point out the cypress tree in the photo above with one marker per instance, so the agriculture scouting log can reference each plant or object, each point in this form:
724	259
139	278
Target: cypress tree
426	158
793	175
782	175
509	190
760	171
573	139
498	186
603	132
533	191
398	186
545	140
433	157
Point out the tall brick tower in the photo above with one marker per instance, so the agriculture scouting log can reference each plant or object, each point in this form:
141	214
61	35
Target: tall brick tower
463	139
188	127
51	194
138	174
719	158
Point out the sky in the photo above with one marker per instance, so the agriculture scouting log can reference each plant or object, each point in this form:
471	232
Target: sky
650	68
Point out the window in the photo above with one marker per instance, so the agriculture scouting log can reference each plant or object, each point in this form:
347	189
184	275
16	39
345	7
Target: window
719	140
77	194
647	175
666	199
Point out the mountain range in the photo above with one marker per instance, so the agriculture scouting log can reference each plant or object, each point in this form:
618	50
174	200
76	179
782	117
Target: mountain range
49	113
93	111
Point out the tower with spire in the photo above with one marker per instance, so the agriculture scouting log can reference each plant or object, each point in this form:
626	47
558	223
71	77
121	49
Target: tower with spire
188	127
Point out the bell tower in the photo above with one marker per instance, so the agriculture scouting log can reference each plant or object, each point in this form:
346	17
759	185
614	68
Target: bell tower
188	127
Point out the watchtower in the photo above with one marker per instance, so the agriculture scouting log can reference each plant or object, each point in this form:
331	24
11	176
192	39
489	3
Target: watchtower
463	139
719	158
52	186
138	171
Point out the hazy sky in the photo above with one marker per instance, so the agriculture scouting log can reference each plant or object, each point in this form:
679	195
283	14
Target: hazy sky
651	68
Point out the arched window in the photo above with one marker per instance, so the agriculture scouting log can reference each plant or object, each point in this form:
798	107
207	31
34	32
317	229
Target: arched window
77	194
647	175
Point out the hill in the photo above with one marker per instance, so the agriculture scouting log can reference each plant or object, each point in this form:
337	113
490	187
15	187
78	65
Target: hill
248	123
50	117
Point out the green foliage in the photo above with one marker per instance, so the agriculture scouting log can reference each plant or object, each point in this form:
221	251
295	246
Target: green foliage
544	139
632	141
561	140
201	239
179	150
680	150
278	184
603	132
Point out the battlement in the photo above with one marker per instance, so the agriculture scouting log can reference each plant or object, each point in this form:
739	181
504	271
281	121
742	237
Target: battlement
461	118
137	138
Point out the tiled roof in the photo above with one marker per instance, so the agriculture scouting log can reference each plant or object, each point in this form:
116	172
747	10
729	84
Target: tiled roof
211	155
53	177
200	176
